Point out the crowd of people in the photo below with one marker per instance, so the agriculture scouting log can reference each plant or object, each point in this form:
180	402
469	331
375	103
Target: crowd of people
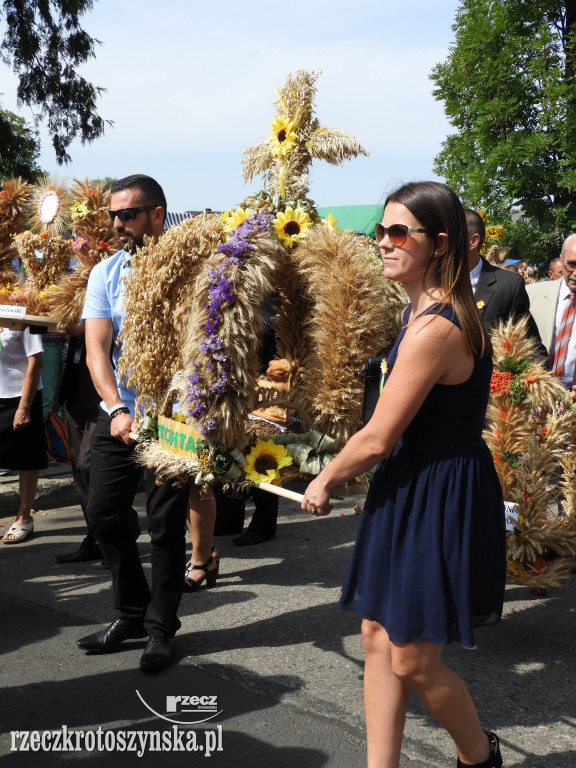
429	564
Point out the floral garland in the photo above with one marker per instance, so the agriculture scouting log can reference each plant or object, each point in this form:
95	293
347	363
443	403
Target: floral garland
273	460
221	292
507	378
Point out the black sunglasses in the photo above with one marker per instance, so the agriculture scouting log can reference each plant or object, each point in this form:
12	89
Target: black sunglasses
398	233
129	214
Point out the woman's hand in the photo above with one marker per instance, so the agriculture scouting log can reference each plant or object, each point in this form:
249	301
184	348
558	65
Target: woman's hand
317	498
21	418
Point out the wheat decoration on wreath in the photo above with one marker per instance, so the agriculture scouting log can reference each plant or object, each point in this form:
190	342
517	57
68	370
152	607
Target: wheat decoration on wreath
530	431
334	309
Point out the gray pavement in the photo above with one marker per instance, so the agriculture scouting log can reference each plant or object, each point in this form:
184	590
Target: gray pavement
269	642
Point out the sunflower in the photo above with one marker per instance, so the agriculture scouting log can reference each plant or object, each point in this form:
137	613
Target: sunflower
264	462
330	221
291	225
232	219
282	138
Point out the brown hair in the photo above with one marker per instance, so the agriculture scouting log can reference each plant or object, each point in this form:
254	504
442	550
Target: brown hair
438	209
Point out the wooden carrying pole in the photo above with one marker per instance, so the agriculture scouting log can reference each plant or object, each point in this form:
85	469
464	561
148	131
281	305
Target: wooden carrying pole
281	491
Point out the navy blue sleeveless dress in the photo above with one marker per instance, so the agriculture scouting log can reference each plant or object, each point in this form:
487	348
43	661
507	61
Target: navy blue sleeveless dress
430	557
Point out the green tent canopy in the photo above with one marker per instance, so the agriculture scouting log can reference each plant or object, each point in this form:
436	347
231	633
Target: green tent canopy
358	218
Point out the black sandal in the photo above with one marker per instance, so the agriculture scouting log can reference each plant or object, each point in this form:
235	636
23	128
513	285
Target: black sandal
210	576
494	760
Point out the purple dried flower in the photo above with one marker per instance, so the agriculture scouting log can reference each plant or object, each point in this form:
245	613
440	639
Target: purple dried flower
221	291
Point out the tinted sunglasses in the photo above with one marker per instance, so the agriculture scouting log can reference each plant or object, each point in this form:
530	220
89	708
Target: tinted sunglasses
398	233
129	214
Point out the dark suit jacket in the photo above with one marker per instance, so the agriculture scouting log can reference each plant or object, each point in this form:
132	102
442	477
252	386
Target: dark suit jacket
504	294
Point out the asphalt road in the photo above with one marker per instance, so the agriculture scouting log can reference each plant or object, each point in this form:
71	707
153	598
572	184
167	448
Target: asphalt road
269	648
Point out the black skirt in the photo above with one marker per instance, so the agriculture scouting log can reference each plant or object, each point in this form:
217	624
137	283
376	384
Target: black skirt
22	448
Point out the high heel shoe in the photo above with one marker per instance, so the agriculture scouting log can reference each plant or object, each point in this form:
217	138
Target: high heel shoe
210	576
494	760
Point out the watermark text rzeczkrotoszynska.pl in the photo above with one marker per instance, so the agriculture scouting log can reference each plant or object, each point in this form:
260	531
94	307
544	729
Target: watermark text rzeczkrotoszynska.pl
174	739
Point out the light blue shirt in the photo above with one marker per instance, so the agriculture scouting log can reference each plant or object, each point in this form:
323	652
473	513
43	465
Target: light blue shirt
104	299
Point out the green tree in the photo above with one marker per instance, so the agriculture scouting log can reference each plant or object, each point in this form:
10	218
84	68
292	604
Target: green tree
106	182
19	148
509	88
44	45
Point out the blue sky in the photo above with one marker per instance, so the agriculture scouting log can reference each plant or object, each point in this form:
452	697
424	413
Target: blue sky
191	84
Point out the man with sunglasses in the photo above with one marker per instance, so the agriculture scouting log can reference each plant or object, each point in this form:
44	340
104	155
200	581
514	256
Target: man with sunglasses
138	208
499	294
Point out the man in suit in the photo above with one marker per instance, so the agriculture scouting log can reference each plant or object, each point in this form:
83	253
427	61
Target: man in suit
549	300
499	294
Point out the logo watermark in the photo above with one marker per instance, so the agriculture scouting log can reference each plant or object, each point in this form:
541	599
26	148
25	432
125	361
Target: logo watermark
186	709
181	710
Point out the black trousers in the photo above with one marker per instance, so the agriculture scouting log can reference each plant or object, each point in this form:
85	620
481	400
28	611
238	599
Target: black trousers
230	512
81	424
114	478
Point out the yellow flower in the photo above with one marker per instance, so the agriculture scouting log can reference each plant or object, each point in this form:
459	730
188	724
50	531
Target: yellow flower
291	225
494	233
44	292
232	219
330	221
79	210
282	138
264	462
480	304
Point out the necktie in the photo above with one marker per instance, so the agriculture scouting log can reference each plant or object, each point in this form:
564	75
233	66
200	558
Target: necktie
563	336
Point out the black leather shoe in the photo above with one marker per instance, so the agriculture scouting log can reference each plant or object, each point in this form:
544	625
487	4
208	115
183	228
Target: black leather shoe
248	538
109	639
158	654
81	555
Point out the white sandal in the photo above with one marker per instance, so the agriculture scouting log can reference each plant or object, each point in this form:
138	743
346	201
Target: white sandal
20	531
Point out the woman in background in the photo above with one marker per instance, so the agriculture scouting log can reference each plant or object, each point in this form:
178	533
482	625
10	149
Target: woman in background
22	436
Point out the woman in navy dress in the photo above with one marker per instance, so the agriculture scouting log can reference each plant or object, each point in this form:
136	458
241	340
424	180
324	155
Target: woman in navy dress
429	563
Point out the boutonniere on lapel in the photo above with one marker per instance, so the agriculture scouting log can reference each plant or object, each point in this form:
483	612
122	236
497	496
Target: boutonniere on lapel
480	304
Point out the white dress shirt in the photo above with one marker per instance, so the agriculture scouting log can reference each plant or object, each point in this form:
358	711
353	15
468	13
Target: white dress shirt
475	275
570	360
